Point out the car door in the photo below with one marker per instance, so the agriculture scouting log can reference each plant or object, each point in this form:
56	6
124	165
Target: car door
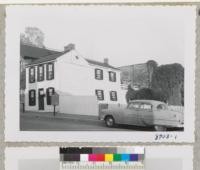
145	114
131	114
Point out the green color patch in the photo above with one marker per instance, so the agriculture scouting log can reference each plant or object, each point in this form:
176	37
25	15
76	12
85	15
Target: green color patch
117	157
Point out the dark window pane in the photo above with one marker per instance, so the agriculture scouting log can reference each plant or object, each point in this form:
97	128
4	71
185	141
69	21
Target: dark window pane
112	76
146	106
113	95
134	105
31	74
98	74
32	98
40	73
50	71
50	91
99	94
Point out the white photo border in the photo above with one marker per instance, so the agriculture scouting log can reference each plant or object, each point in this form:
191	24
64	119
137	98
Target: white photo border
12	115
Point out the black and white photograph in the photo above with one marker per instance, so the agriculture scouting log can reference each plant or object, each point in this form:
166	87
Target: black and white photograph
102	69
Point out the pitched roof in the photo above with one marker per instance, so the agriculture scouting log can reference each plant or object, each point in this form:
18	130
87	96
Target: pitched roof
47	58
28	50
102	64
42	55
55	56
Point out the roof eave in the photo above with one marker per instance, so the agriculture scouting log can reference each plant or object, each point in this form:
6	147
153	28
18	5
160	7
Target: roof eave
33	64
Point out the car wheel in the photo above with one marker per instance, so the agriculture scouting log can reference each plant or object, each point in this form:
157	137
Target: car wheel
110	122
160	128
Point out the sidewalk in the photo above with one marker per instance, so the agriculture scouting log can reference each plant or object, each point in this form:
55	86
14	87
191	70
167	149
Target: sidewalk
60	116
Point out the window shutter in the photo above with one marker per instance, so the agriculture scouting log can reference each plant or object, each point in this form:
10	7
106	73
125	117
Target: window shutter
98	74
40	72
99	94
48	94
95	73
32	98
31	76
113	95
101	75
47	71
50	73
112	76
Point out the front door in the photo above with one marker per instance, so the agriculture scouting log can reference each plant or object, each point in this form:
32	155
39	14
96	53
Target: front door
41	99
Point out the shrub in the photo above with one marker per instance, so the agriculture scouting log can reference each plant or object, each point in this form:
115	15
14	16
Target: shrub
145	94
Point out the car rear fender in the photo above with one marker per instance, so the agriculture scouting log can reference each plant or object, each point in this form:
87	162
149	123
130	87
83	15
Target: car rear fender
168	118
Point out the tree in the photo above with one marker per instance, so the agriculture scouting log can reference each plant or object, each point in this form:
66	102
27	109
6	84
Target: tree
33	36
151	67
145	94
130	94
170	80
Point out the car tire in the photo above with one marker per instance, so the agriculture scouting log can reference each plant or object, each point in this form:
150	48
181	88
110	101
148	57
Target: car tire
160	128
110	121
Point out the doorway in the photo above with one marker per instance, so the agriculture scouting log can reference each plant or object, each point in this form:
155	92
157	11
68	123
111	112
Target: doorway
41	99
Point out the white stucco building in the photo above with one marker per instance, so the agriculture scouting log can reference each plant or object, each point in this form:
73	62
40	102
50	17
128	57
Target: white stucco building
82	84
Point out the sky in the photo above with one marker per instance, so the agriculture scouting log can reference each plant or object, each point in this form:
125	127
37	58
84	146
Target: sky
124	34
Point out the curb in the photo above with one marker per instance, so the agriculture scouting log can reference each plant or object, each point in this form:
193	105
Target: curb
58	117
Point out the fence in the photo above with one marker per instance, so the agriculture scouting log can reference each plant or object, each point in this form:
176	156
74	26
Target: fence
176	108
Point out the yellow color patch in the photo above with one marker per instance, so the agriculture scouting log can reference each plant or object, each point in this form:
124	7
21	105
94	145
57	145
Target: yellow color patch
109	157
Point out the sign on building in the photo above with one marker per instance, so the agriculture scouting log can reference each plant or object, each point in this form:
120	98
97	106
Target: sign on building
55	99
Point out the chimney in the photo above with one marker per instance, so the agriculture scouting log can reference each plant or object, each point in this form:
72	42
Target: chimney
105	61
69	47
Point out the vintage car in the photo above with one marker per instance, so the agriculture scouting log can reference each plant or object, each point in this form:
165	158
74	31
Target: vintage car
143	113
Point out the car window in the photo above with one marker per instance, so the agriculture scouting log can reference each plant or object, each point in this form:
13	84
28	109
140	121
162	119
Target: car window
134	106
161	107
146	106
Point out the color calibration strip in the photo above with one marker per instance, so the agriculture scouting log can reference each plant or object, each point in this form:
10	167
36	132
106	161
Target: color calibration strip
102	158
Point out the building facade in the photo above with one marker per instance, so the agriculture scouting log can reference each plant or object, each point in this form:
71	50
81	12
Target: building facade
28	54
82	84
137	75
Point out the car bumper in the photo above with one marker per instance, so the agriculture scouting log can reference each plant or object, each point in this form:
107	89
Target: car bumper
176	126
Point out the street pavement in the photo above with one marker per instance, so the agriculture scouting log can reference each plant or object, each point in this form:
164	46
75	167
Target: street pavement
47	122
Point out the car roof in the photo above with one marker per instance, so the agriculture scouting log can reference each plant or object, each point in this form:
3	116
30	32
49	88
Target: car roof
153	102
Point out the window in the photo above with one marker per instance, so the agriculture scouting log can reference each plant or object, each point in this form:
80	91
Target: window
32	98
146	106
112	76
98	74
134	106
113	96
31	74
99	94
50	71
40	73
50	91
161	107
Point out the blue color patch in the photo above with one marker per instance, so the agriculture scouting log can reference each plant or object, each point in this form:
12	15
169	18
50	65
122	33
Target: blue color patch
125	157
